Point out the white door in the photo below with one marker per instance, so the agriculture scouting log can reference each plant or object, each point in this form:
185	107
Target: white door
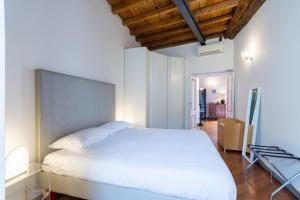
230	96
176	85
135	108
194	103
158	91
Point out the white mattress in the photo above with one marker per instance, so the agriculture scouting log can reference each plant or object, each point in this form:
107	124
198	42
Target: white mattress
180	163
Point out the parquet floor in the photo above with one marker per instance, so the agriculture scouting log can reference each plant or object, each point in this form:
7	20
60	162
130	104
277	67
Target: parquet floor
258	186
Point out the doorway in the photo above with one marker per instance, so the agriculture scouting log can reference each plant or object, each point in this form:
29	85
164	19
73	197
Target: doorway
211	97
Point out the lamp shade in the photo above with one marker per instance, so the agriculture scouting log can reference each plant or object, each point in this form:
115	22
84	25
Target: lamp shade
16	162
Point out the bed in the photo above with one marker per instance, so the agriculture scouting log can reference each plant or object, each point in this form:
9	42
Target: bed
133	163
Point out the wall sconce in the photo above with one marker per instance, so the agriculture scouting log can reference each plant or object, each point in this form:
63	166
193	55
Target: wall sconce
246	56
16	162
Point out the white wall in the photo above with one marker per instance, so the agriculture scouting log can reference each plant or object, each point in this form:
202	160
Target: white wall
2	99
273	38
77	37
200	65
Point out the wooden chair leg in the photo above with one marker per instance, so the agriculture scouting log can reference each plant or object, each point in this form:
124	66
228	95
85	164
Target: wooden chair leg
52	196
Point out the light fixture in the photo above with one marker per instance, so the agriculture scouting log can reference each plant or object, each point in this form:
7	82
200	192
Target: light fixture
16	162
247	56
211	82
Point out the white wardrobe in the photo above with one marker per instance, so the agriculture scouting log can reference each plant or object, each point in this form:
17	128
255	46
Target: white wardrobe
154	89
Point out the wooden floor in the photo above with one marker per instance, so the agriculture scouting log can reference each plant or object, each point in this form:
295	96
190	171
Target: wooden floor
258	186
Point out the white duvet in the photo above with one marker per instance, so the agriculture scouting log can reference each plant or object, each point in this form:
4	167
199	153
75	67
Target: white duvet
181	163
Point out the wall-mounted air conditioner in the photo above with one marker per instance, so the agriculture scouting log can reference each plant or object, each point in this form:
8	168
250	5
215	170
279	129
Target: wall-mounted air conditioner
210	49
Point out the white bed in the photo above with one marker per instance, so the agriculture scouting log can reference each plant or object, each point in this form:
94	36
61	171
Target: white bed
178	163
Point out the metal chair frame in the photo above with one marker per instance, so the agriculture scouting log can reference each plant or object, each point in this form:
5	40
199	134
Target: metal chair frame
264	153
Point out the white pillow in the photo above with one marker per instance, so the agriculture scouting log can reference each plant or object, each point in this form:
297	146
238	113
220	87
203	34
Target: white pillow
116	126
81	139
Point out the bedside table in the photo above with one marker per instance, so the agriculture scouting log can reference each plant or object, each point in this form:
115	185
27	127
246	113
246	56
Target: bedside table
33	169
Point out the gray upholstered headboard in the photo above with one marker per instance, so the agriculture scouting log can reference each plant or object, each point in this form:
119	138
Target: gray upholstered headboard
66	104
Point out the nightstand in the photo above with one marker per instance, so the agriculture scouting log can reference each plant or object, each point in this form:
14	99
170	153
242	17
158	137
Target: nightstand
33	169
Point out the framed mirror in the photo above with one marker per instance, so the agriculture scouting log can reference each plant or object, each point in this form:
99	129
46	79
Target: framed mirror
251	122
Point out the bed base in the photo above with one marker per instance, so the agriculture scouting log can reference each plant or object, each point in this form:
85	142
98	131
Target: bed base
94	190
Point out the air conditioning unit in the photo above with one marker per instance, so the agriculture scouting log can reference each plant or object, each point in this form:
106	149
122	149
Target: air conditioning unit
211	49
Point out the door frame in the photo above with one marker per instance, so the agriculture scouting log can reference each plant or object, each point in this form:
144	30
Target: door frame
209	74
192	78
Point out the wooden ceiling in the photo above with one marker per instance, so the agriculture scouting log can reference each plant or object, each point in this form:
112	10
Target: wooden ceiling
158	23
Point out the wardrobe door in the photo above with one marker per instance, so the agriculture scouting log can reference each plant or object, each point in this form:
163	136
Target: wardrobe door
136	69
176	74
158	86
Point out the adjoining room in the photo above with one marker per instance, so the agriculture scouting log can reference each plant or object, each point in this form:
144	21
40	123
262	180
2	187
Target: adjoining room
213	96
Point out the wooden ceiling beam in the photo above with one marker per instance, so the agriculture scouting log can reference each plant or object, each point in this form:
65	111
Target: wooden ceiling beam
182	29
158	25
121	7
242	16
242	6
154	13
180	21
163	34
216	29
148	15
216	7
184	42
185	36
214	35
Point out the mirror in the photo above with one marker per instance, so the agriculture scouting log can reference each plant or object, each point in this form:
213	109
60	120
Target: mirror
251	122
